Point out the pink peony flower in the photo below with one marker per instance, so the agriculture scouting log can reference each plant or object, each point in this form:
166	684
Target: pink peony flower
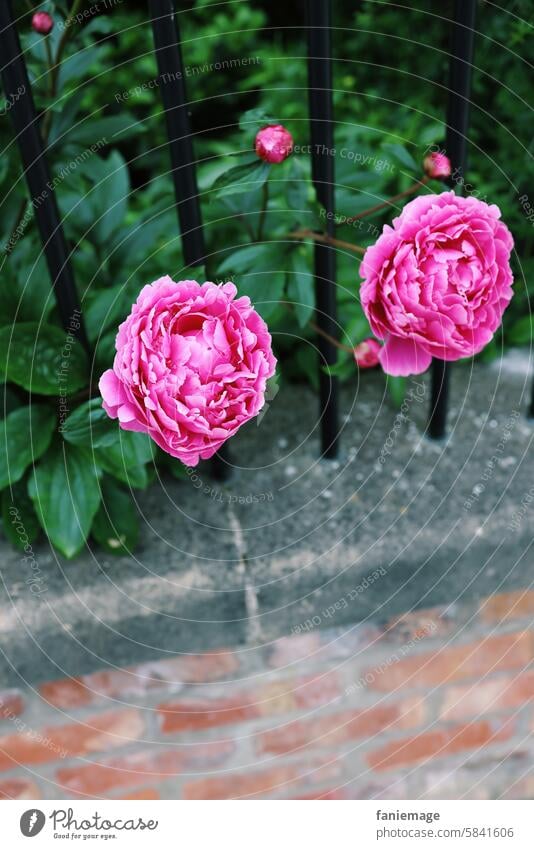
366	353
42	22
437	283
437	165
274	143
191	367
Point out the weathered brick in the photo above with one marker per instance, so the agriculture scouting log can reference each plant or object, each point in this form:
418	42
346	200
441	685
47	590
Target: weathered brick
98	733
490	654
11	703
278	697
19	788
488	696
506	606
165	675
418	625
151	765
146	793
437	744
331	795
337	728
279	780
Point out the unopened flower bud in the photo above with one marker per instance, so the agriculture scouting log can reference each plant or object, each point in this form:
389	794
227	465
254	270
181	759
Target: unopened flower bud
437	166
274	143
42	23
366	353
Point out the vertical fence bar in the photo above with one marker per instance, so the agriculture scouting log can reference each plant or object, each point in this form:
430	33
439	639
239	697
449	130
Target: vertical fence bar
172	86
460	71
319	17
26	125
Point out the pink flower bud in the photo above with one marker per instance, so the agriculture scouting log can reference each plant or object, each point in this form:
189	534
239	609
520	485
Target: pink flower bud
437	166
274	143
366	353
42	22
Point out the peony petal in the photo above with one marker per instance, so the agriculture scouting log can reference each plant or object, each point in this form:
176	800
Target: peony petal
401	357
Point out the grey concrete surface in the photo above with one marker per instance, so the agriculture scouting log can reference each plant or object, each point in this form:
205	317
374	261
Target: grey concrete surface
292	542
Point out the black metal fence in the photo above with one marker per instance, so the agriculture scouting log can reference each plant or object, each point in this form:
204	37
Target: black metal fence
169	58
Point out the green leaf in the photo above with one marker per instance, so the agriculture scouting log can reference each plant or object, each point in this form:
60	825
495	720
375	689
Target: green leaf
397	389
106	308
254	119
65	117
75	66
115	526
399	152
109	199
247	258
126	459
42	359
344	368
247	177
264	288
65	492
301	287
25	435
521	331
21	525
102	131
90	426
28	296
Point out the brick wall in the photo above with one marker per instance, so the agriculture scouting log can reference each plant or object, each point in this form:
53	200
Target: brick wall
436	704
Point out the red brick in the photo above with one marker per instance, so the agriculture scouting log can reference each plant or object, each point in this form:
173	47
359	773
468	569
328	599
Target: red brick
98	733
278	780
420	624
321	646
138	767
278	697
437	744
19	788
288	650
147	793
330	795
165	675
506	606
11	704
488	696
490	654
337	728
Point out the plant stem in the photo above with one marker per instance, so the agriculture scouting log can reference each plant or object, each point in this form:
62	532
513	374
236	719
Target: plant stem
53	67
325	239
265	198
372	209
331	339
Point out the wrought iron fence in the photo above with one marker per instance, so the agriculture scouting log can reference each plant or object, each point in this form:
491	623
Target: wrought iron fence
167	45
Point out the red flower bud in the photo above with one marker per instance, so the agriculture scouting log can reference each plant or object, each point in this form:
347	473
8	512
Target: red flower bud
274	143
366	353
42	22
437	166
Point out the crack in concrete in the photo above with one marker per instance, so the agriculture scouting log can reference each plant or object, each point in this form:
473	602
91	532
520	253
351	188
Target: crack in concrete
253	627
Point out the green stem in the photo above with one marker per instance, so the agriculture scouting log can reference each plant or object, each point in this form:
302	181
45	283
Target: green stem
372	209
53	69
263	213
326	240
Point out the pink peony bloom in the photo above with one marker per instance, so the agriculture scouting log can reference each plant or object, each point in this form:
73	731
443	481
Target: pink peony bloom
42	23
366	353
274	143
437	165
191	367
437	283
